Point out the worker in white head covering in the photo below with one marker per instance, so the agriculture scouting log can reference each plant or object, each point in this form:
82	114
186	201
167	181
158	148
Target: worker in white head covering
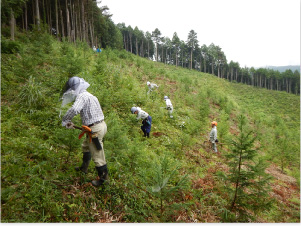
146	120
92	116
169	106
151	86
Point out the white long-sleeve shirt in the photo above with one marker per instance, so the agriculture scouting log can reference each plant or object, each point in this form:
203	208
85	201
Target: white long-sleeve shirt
87	106
152	86
213	134
141	114
168	103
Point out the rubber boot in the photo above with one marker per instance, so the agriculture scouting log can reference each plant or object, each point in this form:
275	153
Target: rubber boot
103	175
85	164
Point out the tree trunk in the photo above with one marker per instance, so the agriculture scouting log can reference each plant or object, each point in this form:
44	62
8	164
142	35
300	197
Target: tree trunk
130	35
33	13
148	49
83	21
200	64
157	52
72	13
62	24
191	59
26	18
44	16
12	24
141	48
68	21
136	46
50	18
78	24
124	42
91	33
166	53
56	21
222	72
38	14
182	60
127	42
236	75
92	28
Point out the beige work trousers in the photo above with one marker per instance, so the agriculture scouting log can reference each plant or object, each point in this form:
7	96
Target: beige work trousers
98	156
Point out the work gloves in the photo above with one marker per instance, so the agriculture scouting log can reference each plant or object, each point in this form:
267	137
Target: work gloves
69	125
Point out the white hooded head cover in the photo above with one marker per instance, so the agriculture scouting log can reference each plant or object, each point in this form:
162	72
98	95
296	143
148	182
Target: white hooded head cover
74	86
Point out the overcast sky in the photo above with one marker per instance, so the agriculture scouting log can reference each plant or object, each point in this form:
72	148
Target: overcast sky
254	33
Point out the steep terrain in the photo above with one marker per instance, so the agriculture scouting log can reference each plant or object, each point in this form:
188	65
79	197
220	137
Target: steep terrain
170	177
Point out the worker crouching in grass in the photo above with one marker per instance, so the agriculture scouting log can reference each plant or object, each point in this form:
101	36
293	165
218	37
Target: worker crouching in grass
92	116
169	106
146	120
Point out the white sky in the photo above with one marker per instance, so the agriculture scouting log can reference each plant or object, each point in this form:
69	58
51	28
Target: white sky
254	33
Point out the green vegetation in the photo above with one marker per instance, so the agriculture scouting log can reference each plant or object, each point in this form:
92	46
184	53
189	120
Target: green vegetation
170	177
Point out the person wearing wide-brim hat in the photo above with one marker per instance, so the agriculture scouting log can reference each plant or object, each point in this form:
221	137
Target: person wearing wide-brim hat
92	116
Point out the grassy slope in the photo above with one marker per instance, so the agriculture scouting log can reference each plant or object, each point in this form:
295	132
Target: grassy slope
38	155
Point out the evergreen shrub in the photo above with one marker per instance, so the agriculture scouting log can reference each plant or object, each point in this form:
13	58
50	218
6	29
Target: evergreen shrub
31	97
9	46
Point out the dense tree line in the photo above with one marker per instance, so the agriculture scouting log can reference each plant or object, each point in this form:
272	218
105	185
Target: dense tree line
83	20
208	59
68	20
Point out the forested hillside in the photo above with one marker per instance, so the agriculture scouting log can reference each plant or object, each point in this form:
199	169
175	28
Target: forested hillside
89	21
173	176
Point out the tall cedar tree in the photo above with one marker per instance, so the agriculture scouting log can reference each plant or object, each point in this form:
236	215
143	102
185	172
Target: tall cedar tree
248	189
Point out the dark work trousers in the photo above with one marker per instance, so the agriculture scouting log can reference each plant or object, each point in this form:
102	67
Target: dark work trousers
147	125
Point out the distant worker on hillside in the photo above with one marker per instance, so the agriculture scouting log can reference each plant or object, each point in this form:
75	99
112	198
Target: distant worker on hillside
146	120
169	106
92	116
94	48
151	87
98	50
213	136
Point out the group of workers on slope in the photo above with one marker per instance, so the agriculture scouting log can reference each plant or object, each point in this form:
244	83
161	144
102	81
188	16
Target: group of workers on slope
146	118
169	106
87	105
